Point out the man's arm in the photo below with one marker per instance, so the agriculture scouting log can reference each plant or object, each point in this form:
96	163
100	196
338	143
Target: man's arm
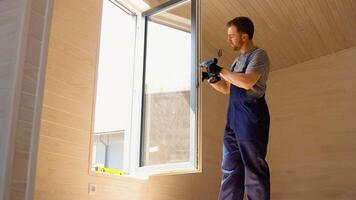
243	80
222	86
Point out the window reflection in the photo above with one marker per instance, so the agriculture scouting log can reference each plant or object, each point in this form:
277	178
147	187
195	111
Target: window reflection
167	113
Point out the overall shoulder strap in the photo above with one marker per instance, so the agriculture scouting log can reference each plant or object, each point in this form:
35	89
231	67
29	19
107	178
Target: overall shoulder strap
234	65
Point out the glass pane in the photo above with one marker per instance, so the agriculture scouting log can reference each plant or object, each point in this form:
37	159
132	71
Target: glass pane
167	106
114	88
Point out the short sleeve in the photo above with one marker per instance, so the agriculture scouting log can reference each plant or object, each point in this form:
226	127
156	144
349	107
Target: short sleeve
259	62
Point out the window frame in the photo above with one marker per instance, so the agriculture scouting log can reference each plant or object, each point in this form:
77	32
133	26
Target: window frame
133	139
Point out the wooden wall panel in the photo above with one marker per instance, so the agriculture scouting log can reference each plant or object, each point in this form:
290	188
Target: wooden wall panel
31	40
15	101
9	28
313	130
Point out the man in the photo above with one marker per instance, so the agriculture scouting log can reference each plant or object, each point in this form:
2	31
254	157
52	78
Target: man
246	133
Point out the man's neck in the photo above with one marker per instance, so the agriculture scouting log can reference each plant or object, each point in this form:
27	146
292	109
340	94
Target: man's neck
246	47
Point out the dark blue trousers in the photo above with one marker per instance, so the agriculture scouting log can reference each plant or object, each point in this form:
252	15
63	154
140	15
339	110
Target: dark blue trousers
244	167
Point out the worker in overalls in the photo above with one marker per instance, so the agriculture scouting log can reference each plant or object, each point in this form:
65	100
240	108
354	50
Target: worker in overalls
245	170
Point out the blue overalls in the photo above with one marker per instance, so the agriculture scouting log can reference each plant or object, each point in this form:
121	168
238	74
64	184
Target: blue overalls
245	146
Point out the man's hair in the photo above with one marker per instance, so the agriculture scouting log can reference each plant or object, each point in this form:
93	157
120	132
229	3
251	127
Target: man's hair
243	25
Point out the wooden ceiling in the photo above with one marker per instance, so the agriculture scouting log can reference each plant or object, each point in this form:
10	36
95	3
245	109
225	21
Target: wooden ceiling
292	31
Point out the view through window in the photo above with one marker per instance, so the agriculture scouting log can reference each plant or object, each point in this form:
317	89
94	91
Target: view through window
114	88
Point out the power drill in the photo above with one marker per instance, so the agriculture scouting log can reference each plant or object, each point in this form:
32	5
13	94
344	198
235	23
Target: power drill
212	78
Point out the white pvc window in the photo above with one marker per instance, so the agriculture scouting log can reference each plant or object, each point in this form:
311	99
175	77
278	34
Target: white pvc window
145	119
169	113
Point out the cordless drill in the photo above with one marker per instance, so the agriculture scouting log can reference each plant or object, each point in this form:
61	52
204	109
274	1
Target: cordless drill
211	77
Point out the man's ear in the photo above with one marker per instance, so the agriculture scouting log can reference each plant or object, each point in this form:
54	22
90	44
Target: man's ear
244	37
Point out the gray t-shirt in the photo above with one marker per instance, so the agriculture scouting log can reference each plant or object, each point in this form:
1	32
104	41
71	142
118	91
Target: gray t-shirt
258	62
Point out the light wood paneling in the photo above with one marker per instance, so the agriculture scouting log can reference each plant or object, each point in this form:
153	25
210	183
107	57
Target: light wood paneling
312	137
32	36
39	6
62	169
290	31
11	60
9	27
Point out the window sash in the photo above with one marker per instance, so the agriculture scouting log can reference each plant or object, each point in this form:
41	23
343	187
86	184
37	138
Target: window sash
192	164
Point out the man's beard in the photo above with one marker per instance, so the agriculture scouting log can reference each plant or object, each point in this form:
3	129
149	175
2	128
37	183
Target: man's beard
235	48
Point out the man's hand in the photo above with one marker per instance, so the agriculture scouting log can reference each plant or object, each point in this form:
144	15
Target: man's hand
214	79
211	79
214	69
204	75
